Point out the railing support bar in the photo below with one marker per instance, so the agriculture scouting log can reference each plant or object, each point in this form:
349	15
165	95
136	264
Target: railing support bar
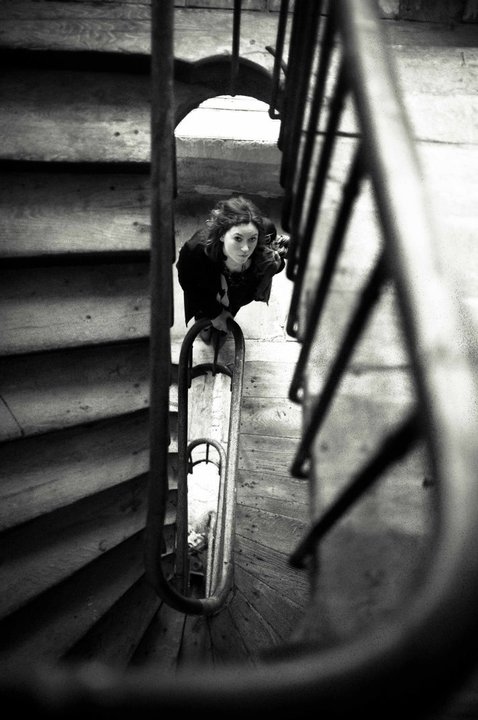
392	449
350	192
313	125
278	53
304	238
304	71
162	236
367	301
236	39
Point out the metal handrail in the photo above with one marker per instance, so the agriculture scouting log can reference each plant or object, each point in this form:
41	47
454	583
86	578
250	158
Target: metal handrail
174	591
222	565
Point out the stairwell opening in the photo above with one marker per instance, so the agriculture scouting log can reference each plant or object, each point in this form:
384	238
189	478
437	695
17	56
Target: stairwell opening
226	145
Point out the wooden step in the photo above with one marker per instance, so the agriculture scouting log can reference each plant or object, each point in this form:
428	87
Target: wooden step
112	641
51	307
160	645
123	27
70	211
44	630
54	390
48	472
45	552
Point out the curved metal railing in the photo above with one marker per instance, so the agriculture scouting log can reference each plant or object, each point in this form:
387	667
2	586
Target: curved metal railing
175	591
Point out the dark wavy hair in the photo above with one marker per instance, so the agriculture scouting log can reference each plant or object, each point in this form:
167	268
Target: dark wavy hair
239	210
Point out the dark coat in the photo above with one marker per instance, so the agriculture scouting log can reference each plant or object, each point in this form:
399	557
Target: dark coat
200	279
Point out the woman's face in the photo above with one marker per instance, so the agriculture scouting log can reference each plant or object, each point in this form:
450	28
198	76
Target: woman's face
240	242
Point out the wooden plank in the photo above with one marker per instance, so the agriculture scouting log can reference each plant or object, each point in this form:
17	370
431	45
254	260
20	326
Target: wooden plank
48	627
196	646
160	645
282	420
90	384
382	344
9	427
270	530
402	499
268	379
56	116
78	34
266	453
114	638
258	635
126	29
280	613
34	10
37	556
48	213
272	567
366	578
43	474
429	34
228	643
375	554
273	493
432	11
51	307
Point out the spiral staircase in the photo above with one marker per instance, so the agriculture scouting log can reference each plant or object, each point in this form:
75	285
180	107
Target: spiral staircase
354	548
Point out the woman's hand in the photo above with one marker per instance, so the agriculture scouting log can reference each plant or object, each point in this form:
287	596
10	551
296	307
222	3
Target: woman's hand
220	322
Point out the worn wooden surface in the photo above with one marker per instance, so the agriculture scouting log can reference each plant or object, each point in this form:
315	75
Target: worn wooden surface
46	629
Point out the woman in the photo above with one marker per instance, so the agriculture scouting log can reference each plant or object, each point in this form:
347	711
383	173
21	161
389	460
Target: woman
228	265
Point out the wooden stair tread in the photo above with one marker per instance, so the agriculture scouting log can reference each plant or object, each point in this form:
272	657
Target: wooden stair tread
125	29
67	388
48	472
47	628
45	552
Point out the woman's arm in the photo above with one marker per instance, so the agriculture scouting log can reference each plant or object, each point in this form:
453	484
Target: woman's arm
199	281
